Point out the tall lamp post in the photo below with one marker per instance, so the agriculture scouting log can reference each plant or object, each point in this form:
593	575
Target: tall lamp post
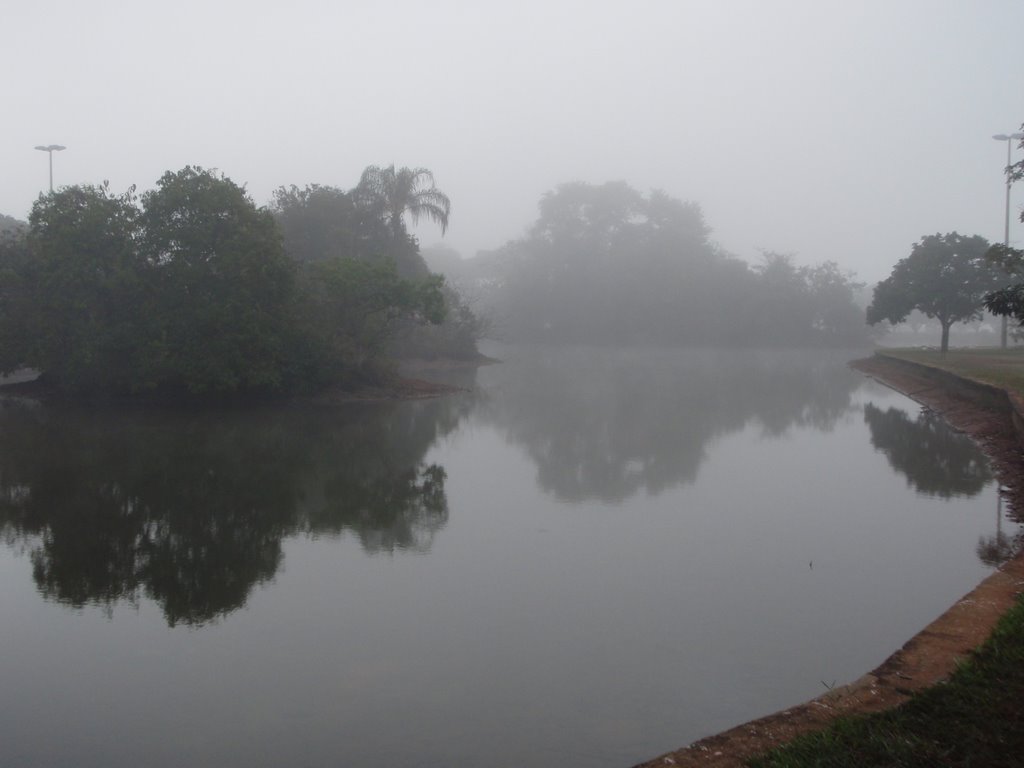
50	149
1009	138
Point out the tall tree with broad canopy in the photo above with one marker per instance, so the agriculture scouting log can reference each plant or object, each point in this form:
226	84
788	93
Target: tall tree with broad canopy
77	290
946	277
226	285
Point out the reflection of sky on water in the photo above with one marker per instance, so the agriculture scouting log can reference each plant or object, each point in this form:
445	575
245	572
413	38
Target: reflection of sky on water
504	572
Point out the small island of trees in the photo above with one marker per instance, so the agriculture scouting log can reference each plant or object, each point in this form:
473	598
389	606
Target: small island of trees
191	290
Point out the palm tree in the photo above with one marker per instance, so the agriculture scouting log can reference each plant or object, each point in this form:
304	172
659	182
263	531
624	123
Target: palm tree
409	190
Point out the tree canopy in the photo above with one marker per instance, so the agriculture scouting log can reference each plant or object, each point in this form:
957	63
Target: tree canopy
321	224
606	263
410	191
225	286
1009	299
11	226
946	277
192	290
74	289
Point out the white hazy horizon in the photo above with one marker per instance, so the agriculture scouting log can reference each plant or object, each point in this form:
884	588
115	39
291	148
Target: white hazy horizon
832	131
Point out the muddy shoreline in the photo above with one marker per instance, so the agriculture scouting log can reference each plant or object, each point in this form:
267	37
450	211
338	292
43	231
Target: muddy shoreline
399	387
988	416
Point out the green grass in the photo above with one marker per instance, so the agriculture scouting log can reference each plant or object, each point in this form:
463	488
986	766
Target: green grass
975	719
999	367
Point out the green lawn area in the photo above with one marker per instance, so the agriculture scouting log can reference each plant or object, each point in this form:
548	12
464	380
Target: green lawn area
991	365
975	719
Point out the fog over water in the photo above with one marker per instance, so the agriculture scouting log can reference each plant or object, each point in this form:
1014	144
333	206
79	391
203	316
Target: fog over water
672	506
840	131
591	556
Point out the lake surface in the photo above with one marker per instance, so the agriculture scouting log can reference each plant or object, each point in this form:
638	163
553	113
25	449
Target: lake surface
592	557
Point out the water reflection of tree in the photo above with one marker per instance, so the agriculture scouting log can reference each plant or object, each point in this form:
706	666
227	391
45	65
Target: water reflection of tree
936	459
996	550
605	424
191	510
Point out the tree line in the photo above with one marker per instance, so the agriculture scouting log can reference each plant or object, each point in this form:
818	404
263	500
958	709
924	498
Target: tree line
192	290
953	278
607	264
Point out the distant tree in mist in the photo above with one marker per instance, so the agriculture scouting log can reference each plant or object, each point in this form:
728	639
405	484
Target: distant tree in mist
804	304
409	191
320	223
10	226
946	277
605	263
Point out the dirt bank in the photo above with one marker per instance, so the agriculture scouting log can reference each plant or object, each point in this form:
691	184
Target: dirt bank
985	414
394	388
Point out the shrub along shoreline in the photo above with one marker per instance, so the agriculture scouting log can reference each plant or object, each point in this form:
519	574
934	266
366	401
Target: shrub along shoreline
899	714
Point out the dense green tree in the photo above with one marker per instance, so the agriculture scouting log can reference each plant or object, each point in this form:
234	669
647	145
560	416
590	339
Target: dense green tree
319	223
15	302
349	312
81	290
225	286
946	277
193	293
454	338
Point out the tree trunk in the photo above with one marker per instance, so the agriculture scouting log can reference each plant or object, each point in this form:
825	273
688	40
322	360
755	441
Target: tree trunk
945	336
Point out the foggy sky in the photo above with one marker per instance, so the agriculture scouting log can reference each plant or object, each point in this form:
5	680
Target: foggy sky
832	130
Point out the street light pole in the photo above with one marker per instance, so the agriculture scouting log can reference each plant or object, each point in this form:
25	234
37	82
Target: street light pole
50	149
1009	139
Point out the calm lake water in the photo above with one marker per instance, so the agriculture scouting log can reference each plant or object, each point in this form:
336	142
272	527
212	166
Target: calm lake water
592	557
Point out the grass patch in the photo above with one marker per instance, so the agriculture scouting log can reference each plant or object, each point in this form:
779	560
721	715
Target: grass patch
998	367
975	719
